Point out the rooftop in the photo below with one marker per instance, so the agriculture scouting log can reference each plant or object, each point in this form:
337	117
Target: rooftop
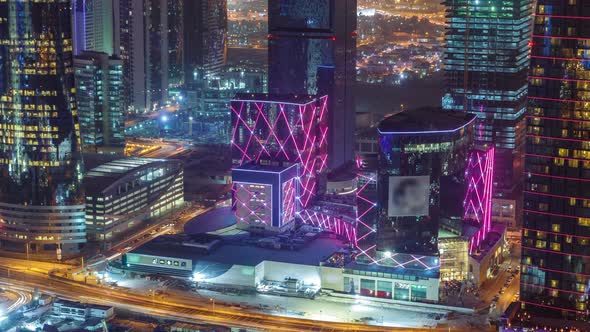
264	168
427	120
240	253
272	98
100	177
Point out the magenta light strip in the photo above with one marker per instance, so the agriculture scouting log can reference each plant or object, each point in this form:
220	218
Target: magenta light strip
563	16
558	139
558	100
556	233
553	195
555	252
552	214
552	307
559	79
557	58
560	37
556	271
553	157
557	119
477	204
559	177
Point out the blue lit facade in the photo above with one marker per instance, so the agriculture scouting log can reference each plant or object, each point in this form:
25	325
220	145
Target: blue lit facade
486	63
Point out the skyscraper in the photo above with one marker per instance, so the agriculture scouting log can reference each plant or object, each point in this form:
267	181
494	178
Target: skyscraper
175	44
305	36
145	52
556	228
131	21
94	26
41	202
156	51
205	39
99	85
486	63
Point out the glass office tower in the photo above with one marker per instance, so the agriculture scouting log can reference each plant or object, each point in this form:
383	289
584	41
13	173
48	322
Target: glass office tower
312	50
556	228
41	203
486	64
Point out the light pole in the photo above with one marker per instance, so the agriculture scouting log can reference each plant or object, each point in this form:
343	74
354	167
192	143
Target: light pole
212	300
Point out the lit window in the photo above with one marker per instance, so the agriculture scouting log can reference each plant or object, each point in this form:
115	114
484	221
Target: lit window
555	246
541	244
556	227
554	283
584	221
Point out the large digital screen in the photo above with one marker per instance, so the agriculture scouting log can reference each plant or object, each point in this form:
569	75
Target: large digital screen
408	196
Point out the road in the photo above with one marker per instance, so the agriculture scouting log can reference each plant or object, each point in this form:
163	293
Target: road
179	308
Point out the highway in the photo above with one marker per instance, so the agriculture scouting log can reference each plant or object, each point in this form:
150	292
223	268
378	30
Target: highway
188	309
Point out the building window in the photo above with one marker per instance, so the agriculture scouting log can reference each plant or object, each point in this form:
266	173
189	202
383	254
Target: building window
401	291
418	292
367	287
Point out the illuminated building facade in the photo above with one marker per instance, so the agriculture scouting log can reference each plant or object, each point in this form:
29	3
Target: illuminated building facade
156	52
265	196
41	201
556	228
132	44
282	131
123	193
99	85
416	159
95	28
312	50
175	44
486	63
205	39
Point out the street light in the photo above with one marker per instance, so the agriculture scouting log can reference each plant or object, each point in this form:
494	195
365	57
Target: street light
212	300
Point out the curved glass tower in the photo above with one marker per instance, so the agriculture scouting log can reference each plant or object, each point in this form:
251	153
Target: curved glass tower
41	202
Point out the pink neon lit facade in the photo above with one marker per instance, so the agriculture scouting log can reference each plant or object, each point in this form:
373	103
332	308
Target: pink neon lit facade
339	225
253	203
282	131
477	205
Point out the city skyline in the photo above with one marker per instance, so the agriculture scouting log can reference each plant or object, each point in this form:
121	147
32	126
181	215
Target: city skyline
346	165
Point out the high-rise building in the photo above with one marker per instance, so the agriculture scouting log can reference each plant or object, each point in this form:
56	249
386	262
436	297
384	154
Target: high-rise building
99	85
204	39
95	26
486	64
556	228
41	202
156	52
132	50
175	44
416	159
305	36
270	135
144	49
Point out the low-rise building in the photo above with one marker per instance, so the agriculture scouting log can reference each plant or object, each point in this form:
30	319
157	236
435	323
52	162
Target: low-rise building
122	194
81	311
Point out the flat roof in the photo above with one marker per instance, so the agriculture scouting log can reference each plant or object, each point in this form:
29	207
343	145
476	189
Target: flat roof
103	175
426	120
263	168
299	99
211	221
241	253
